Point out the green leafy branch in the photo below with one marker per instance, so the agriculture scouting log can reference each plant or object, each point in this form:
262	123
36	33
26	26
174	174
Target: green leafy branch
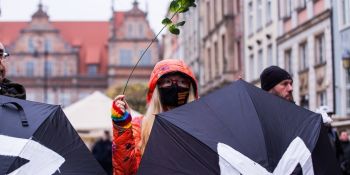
177	6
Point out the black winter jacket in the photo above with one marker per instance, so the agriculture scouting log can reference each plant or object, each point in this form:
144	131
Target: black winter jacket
12	89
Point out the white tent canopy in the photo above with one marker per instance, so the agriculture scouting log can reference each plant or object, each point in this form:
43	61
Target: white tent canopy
92	113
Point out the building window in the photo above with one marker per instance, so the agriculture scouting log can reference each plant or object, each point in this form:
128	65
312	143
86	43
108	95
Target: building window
208	16
252	67
223	8
239	55
303	56
259	14
47	46
215	15
209	64
50	98
346	12
125	57
260	61
130	31
31	47
216	60
147	58
236	7
320	49
12	69
348	100
289	8
304	101
286	9
268	11
250	17
300	4
223	40
65	99
348	93
30	69
65	70
92	69
322	98
269	55
49	68
288	61
141	28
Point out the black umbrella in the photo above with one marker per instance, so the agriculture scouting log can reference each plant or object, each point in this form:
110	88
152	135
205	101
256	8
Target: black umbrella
37	138
239	129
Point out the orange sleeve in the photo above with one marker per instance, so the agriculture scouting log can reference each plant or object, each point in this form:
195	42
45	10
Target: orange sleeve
126	154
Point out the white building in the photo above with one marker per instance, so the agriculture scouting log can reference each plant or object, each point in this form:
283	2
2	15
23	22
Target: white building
305	50
260	34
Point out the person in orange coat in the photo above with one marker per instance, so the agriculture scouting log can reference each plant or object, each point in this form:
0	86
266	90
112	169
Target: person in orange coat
171	84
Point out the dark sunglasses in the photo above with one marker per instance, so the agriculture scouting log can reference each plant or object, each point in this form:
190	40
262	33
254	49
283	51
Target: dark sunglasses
3	54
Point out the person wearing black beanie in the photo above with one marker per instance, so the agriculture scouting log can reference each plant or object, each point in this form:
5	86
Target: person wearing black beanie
278	82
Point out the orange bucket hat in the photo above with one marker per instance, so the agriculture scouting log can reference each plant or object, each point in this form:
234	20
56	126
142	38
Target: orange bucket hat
169	66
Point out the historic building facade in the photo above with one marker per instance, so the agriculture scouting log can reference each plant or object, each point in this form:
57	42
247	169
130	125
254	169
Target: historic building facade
130	36
60	62
341	45
305	50
211	42
221	42
260	47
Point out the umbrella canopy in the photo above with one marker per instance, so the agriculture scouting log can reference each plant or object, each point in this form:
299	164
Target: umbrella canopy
37	138
239	129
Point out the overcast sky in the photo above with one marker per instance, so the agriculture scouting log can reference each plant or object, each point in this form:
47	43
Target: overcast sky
80	10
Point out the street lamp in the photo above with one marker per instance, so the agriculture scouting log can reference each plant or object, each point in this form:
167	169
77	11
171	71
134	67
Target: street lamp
346	61
46	54
37	54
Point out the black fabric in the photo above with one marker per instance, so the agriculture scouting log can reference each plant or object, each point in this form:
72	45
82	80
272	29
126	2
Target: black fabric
345	162
193	82
102	151
323	156
273	75
6	163
18	162
12	89
174	95
48	126
170	150
257	124
20	111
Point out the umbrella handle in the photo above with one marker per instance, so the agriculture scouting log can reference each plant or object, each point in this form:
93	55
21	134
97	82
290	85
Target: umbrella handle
20	110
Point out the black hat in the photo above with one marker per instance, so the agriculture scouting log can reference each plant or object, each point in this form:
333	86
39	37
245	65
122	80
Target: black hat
271	76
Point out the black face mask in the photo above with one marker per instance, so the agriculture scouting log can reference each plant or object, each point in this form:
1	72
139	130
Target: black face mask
174	95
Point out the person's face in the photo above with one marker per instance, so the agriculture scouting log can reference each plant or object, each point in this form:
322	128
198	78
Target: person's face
173	90
284	89
344	136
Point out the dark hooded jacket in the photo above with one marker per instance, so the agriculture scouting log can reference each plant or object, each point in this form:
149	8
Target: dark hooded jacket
12	89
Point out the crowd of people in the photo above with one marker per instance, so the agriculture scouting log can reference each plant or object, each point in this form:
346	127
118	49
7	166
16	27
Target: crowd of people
172	84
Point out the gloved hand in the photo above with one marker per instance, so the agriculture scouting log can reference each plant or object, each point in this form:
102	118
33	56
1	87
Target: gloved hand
120	115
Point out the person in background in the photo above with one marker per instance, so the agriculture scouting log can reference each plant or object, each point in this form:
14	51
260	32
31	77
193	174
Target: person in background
277	81
102	151
345	144
7	87
171	85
